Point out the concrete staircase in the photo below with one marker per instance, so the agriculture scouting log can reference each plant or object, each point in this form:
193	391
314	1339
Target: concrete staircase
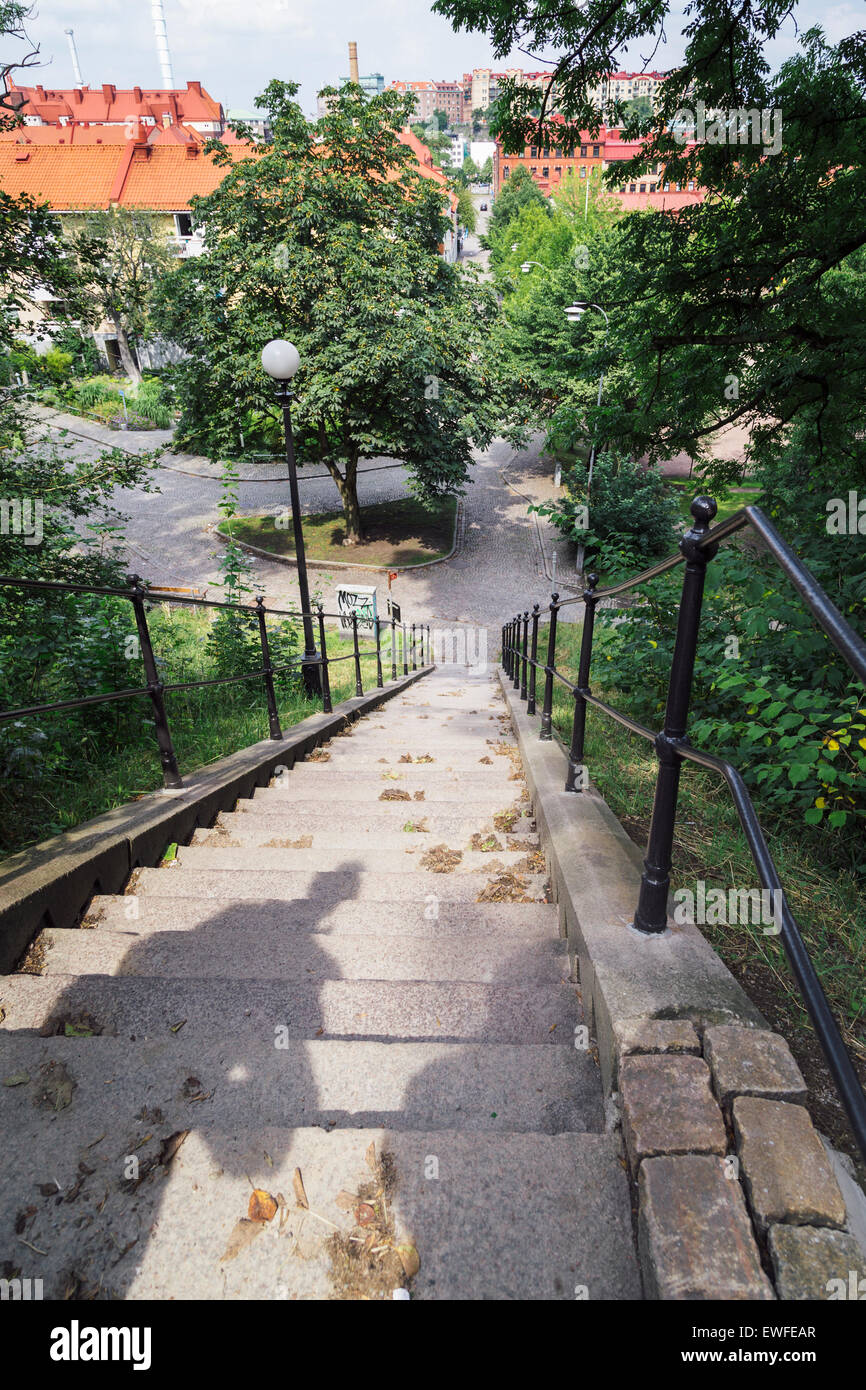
347	997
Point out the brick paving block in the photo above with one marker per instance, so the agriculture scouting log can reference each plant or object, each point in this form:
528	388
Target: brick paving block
656	1035
668	1107
752	1062
786	1169
694	1233
815	1263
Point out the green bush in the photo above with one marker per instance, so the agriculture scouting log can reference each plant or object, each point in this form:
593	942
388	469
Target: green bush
57	365
631	514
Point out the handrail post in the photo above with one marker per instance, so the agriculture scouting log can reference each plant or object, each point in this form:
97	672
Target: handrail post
273	712
511	649
393	647
525	645
414	666
576	781
547	708
170	770
651	912
533	657
359	689
505	644
379	681
327	707
429	648
405	650
516	680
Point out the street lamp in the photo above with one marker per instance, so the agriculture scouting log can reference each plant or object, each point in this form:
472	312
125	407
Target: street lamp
574	313
281	360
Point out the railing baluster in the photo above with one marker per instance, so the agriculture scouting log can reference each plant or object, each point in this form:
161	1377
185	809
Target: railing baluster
327	707
379	681
170	770
393	647
576	779
533	657
547	708
525	645
652	907
414	666
359	689
405	650
273	712
429	648
516	679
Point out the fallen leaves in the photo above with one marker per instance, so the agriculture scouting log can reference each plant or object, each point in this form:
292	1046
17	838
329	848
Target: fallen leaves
441	860
394	795
262	1207
55	1087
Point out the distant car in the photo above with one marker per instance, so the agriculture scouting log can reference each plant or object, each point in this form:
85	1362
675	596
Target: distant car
483	207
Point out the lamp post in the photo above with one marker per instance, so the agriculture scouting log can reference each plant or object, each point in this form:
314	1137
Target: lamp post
281	360
574	313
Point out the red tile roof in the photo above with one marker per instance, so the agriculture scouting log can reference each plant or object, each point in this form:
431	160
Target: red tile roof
111	104
162	173
76	167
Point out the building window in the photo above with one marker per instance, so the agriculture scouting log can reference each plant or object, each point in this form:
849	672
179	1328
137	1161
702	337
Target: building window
545	173
559	152
558	170
622	190
643	188
533	169
583	151
507	171
595	151
691	185
183	223
533	153
667	188
632	188
582	172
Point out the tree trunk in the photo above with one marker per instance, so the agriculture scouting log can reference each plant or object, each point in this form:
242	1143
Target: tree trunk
347	486
126	356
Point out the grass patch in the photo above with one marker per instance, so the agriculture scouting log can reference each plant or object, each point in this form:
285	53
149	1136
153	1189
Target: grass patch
402	533
89	770
826	898
688	489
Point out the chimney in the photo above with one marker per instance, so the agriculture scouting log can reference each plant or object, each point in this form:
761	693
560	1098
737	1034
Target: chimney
73	53
353	62
162	44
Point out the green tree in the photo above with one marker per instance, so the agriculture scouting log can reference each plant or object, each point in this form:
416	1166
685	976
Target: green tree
517	192
441	118
118	257
330	238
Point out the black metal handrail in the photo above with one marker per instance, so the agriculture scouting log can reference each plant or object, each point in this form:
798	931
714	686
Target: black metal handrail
410	649
520	663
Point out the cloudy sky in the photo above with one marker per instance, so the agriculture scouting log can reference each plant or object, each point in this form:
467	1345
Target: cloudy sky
234	47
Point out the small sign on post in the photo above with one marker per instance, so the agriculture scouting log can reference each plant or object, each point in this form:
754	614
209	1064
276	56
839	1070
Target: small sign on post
359	599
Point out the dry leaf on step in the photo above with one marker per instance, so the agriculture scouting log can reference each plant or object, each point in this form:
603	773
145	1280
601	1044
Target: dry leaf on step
262	1206
243	1235
300	1194
409	1259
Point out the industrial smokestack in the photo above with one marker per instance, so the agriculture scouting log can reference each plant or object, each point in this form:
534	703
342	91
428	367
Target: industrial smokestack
73	53
162	43
353	63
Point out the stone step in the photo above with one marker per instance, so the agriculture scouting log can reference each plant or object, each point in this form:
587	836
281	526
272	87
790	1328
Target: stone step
310	816
476	775
323	887
213	1010
374	754
492	1216
394	842
276	954
145	915
387	832
358	853
342	787
467	1086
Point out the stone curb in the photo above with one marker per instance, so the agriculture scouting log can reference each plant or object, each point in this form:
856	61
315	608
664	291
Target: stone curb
736	1196
51	884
